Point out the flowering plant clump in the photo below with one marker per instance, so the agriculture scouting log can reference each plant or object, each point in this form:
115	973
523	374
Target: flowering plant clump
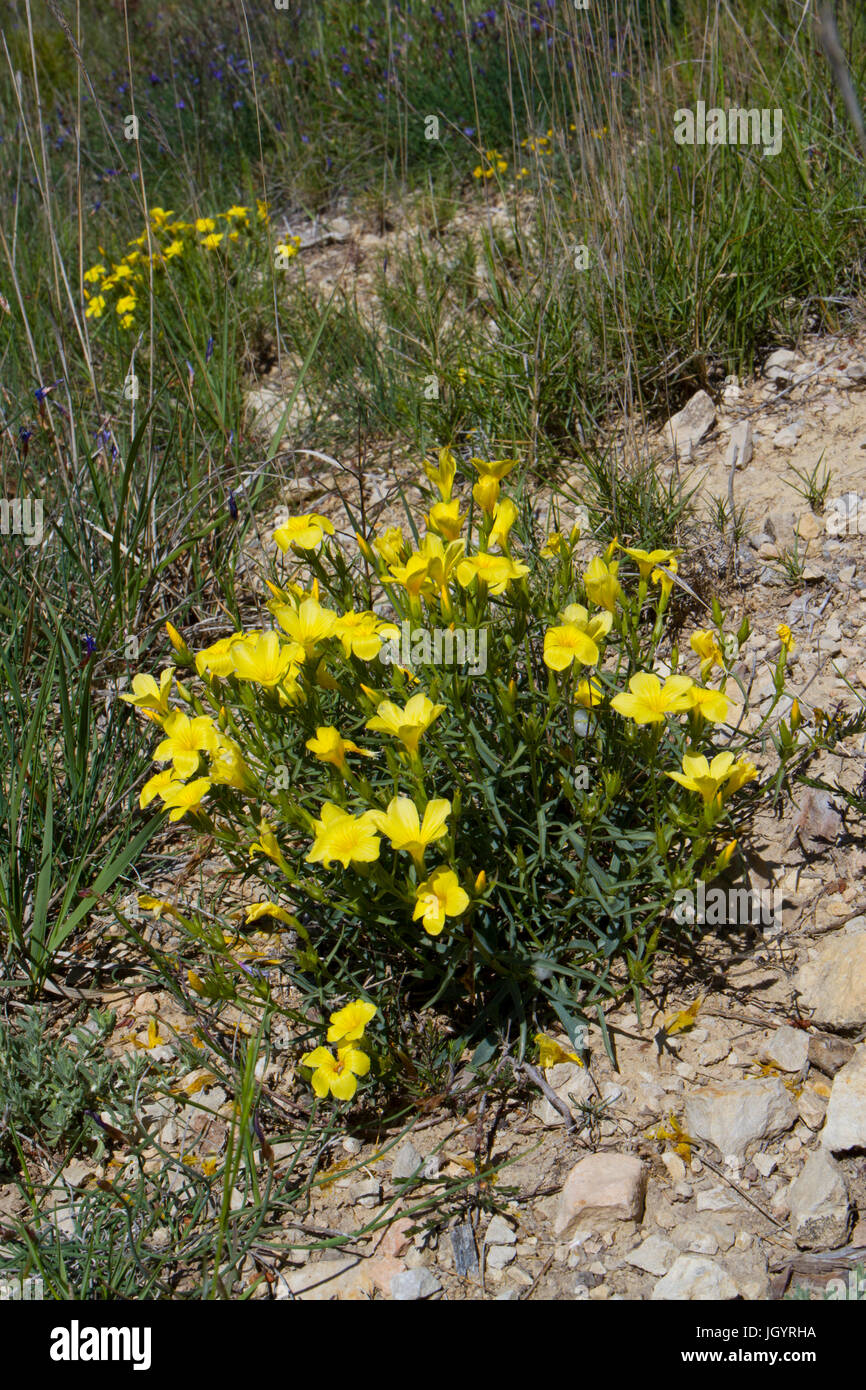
479	832
168	246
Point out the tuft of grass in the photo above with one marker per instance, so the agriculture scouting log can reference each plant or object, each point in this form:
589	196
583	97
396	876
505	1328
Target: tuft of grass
812	487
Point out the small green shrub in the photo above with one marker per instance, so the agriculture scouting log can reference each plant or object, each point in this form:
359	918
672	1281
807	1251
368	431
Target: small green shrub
47	1085
496	832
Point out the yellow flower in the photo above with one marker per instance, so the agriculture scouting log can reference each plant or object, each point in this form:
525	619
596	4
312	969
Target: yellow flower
181	798
174	248
262	209
329	747
703	777
443	475
504	517
342	836
704	644
567	644
308	624
237	214
597	626
665	577
324	680
783	632
303	532
551	1052
157	905
216	659
126	304
95	273
204	224
155	786
440	560
336	1074
412	576
264	659
289	247
390	545
493	468
405	829
588	693
577	639
742	772
440	896
407	724
650	701
256	911
228	768
712	705
647	559
445	518
267	844
555	545
186	657
150	697
361	634
154	1037
347	1024
601	584
95	307
496	571
185	739
212	240
158	216
486	494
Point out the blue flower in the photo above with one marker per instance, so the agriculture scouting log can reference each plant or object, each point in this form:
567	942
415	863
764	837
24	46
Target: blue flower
208	352
42	391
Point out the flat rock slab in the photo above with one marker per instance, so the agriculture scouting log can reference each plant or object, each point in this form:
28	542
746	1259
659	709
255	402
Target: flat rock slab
845	1125
693	1278
833	985
690	424
601	1190
737	1116
820	1211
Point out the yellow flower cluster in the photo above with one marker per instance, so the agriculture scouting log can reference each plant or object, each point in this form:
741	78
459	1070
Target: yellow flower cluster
541	146
579	641
362	810
338	1075
492	164
163	240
